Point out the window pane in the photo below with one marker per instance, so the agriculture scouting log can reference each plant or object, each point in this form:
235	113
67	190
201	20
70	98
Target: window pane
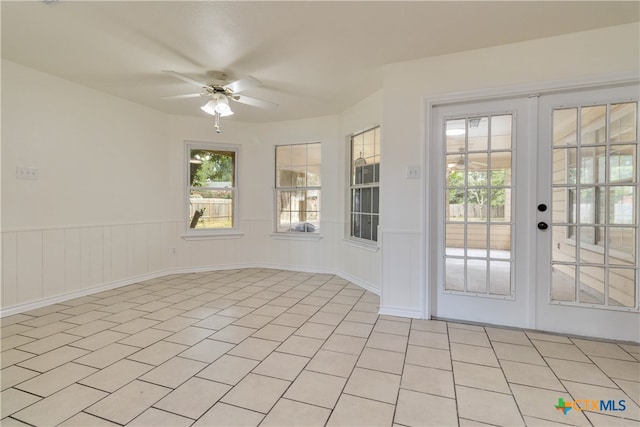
454	274
624	122
501	132
592	285
500	241
355	225
587	206
365	227
211	169
622	287
621	204
376	200
454	239
590	165
622	163
478	134
476	275
593	125
565	126
564	166
563	283
455	132
592	251
500	168
477	240
499	206
210	209
499	278
622	246
562	199
374	227
477	204
455	205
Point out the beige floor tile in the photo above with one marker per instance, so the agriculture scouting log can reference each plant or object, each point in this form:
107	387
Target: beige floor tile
392	327
15	328
518	353
473	354
123	316
284	301
466	326
158	353
8	343
599	419
618	368
200	312
275	332
127	403
173	372
52	359
215	322
479	376
531	375
560	351
580	372
15	375
588	391
307	310
428	380
163	314
189	336
236	311
49	329
290	319
228	369
333	363
207	350
344	344
540	403
356	411
509	336
145	338
82	419
193	398
87	317
354	329
602	349
316	389
59	406
430	357
134	326
632	388
301	346
374	385
117	375
631	348
541	336
107	355
45	318
390	342
472	404
325	318
282	365
254	348
153	417
382	360
429	325
465	336
42	345
99	340
56	379
175	324
366	306
256	393
289	413
233	334
223	415
362	317
429	339
270	310
315	330
255	321
13	356
13	400
91	328
419	409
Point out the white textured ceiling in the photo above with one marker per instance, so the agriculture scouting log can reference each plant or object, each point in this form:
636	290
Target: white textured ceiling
314	58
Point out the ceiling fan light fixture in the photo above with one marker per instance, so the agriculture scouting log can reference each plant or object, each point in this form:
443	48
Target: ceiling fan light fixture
219	105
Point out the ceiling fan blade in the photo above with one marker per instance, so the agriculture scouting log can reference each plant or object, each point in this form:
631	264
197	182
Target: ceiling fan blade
185	78
188	95
255	102
242	84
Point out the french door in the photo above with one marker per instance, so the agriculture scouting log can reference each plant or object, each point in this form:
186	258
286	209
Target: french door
537	219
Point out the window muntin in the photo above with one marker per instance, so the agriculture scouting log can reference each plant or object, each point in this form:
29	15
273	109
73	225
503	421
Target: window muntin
594	218
298	183
211	188
364	188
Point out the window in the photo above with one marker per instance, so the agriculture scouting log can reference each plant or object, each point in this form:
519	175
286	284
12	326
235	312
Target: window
298	188
212	191
365	185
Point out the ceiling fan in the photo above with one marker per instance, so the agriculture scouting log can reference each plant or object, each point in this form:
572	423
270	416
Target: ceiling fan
219	92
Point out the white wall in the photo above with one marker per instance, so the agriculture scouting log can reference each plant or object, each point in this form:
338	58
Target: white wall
107	208
599	53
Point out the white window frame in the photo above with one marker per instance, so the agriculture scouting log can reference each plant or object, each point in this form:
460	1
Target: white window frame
207	233
351	186
316	234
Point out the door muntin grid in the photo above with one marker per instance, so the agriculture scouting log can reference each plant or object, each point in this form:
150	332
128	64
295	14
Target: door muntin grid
594	183
478	201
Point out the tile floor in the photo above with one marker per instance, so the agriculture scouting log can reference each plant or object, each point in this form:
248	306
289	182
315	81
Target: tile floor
279	348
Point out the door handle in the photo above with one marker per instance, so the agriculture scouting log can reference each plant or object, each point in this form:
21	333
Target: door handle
542	226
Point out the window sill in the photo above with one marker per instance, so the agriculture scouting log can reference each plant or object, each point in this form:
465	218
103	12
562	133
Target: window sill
213	235
371	247
296	236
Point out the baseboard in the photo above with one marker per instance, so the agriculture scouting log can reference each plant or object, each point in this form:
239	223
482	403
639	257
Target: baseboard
401	312
32	305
